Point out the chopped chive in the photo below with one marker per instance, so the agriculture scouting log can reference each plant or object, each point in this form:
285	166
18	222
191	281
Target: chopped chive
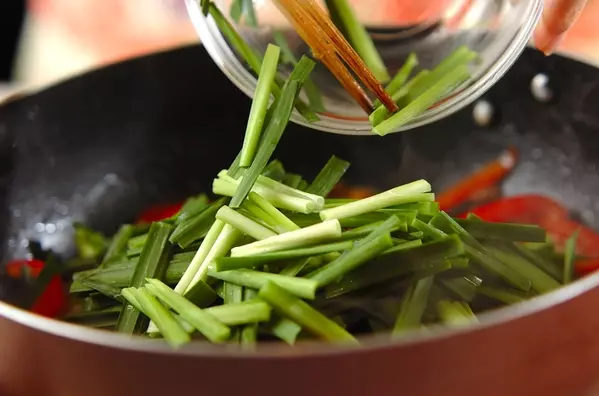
295	267
544	263
570	257
243	223
403	246
233	293
227	238
200	256
266	79
231	263
286	329
247	312
430	256
107	289
287	55
503	295
432	233
454	313
423	102
301	287
130	294
118	244
236	10
361	253
504	231
480	253
314	96
153	263
318	233
386	227
191	207
250	13
272	134
381	113
464	287
303	314
280	187
204	322
413	305
411	192
403	74
274	170
328	176
292	180
201	294
273	212
168	326
347	21
460	58
197	227
249	332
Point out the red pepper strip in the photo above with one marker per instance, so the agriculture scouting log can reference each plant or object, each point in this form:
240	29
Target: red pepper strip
587	266
544	212
52	302
487	176
159	212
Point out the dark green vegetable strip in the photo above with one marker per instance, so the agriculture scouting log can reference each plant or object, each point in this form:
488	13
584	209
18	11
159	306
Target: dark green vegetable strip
360	254
270	140
423	102
303	314
105	288
413	305
292	180
169	327
431	256
232	263
90	244
295	267
432	233
386	227
274	170
478	252
191	207
503	231
266	80
403	246
236	10
201	294
349	24
304	288
249	332
203	321
569	257
503	295
540	280
152	263
196	228
464	287
118	244
247	312
546	264
328	176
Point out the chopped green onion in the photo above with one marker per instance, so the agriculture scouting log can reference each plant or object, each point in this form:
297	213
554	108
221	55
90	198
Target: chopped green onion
455	313
243	223
266	79
403	74
292	180
197	227
361	253
200	256
191	207
118	244
411	192
423	102
503	231
464	287
278	217
503	295
413	305
232	263
301	287
201	294
168	326
249	311
249	332
274	170
348	22
303	314
570	257
286	329
204	322
328	176
153	262
318	233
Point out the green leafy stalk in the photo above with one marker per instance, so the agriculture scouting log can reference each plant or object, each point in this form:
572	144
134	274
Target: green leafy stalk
247	312
303	314
244	224
277	216
455	313
266	80
249	332
197	227
504	231
413	305
328	176
118	244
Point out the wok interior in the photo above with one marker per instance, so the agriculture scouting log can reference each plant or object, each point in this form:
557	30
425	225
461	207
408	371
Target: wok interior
99	148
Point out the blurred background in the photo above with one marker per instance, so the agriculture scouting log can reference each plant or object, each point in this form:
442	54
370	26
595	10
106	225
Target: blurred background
44	41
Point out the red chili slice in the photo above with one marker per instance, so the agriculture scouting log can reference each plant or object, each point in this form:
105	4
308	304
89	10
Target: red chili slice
52	302
159	212
587	266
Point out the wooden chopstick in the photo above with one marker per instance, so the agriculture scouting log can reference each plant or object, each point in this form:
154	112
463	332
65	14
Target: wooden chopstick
332	49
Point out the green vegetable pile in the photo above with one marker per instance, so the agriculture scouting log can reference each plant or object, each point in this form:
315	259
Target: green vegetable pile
273	258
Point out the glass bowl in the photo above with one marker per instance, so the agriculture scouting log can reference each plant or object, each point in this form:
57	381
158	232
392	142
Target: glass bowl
498	30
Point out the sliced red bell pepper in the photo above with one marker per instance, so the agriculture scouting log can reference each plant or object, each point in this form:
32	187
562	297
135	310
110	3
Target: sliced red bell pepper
482	179
544	212
53	300
587	266
159	212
